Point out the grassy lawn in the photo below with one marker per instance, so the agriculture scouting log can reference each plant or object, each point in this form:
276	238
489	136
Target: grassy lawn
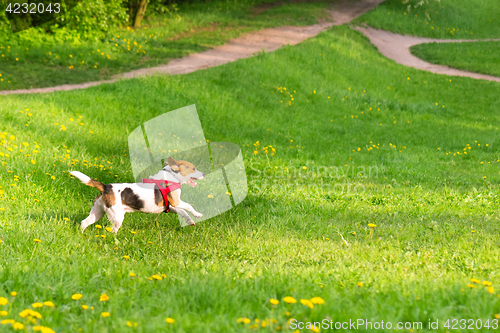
358	139
438	19
29	61
480	57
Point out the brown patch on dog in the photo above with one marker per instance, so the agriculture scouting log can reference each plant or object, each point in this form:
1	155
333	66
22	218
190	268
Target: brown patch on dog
174	198
94	183
183	167
159	201
108	196
131	199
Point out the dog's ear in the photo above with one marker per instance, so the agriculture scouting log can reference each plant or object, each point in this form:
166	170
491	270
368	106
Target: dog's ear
172	163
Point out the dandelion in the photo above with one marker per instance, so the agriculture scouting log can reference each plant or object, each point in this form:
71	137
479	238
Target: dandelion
105	314
126	257
487	283
156	277
108	229
371	225
471	286
3	301
307	302
491	290
7	321
170	320
29	312
49	304
98	226
85	307
104	298
317	300
131	274
246	321
18	326
37	305
360	284
274	301
76	297
3	313
289	300
475	281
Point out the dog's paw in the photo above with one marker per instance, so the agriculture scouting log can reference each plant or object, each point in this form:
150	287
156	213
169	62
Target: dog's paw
190	222
196	214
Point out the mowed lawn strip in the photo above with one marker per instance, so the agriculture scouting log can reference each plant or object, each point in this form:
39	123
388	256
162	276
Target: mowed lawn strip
450	19
381	198
31	59
479	57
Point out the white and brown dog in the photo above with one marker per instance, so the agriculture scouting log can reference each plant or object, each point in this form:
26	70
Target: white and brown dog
117	199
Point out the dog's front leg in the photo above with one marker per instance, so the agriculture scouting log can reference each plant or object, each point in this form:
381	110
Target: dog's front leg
182	213
189	208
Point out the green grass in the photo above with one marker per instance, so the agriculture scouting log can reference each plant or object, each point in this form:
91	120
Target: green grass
435	207
480	57
37	61
452	19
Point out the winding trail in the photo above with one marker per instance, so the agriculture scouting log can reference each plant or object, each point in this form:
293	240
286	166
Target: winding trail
397	48
391	45
244	46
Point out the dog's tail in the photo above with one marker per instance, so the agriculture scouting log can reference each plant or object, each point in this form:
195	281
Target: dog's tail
88	181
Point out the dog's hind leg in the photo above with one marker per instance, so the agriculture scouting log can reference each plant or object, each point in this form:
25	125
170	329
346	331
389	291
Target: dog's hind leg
95	215
182	213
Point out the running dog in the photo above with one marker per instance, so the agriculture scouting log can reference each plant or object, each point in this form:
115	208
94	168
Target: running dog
117	199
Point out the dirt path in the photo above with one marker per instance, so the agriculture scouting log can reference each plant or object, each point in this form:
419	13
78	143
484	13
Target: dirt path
397	48
242	47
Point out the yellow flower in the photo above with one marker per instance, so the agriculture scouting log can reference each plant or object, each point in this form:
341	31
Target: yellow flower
76	297
132	274
18	326
37	305
7	321
42	329
3	301
126	257
156	277
105	314
307	302
104	298
317	300
289	300
360	284
29	312
3	313
49	304
37	240
85	307
487	283
371	225
98	226
274	301
109	229
471	286
497	316
491	290
475	280
170	320
133	232
246	321
33	161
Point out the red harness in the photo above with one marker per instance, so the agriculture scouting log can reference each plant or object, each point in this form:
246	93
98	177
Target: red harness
164	189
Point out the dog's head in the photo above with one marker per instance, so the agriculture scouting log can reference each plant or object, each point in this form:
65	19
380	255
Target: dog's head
184	171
